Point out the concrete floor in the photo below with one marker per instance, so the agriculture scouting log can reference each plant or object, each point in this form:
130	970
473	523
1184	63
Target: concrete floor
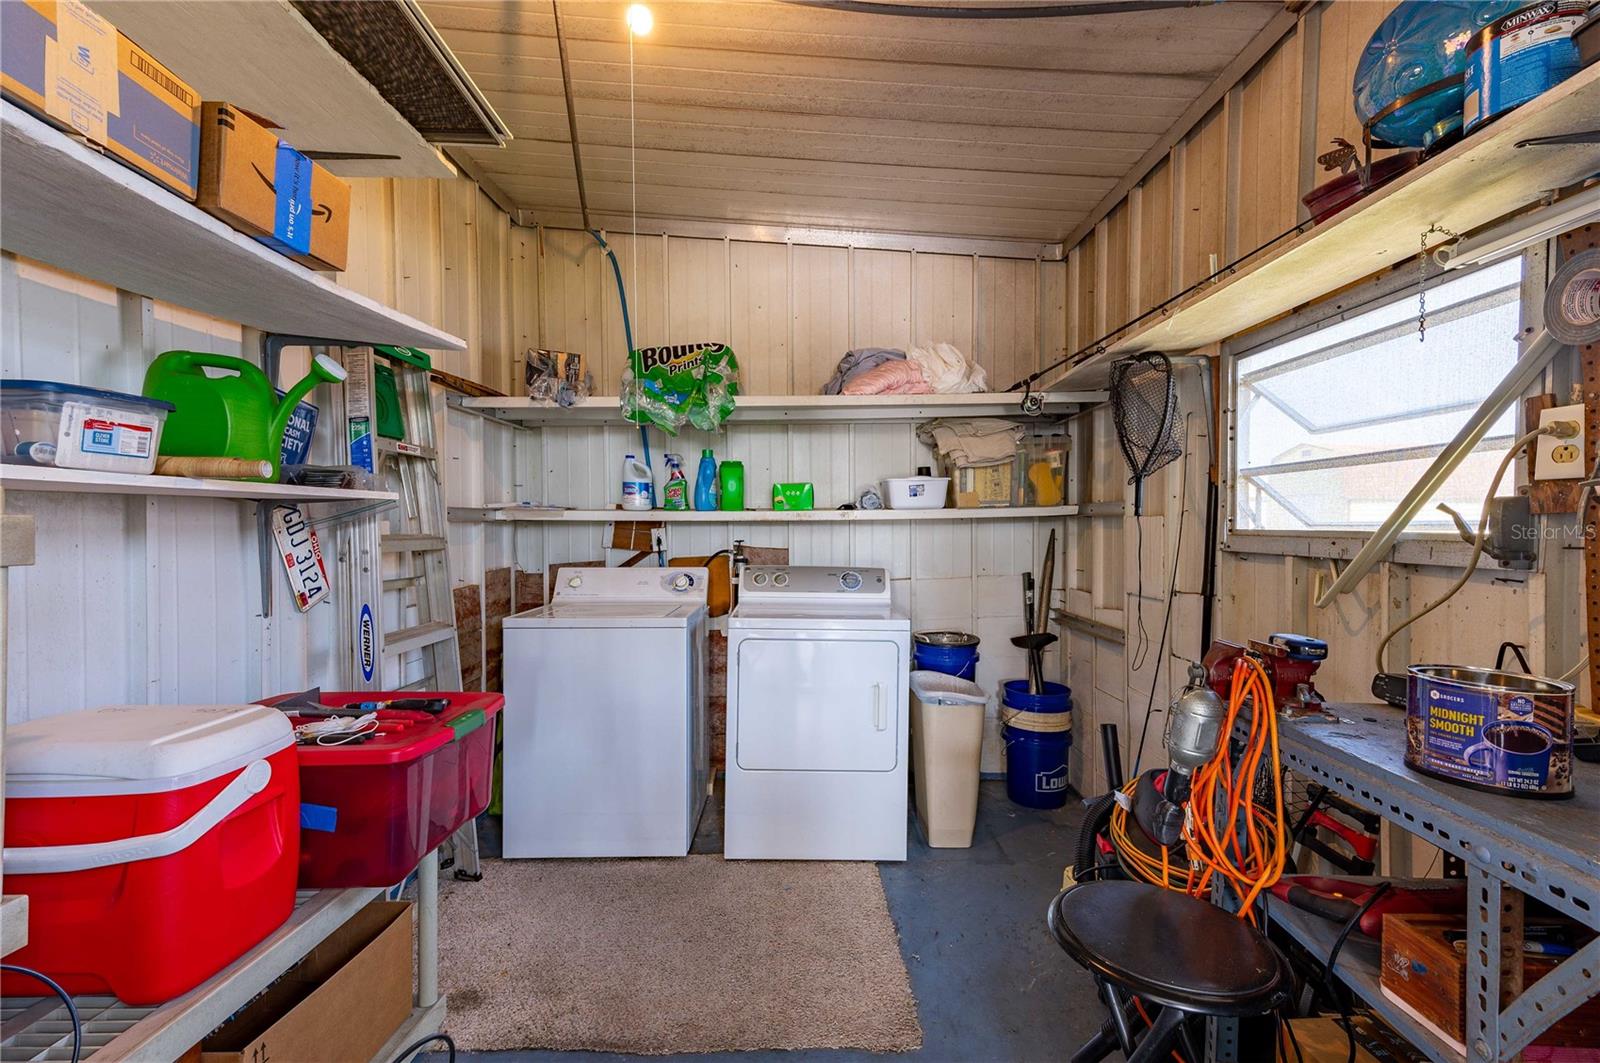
990	982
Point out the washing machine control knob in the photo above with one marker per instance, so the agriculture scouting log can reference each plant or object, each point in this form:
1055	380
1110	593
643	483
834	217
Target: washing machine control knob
781	579
850	581
759	579
682	582
575	581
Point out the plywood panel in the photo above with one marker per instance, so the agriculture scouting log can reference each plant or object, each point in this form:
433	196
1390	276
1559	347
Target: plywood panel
1052	312
1205	180
417	249
572	316
881	300
1119	245
369	266
458	275
942	297
697	291
1155	237
759	311
821	308
494	293
1269	174
1084	300
1008	319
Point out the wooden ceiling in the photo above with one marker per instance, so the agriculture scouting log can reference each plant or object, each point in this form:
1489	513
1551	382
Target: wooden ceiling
777	114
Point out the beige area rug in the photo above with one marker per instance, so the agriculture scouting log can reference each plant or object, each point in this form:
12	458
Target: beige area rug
661	956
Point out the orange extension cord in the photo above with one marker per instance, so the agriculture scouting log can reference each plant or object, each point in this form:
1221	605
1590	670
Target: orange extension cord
1225	833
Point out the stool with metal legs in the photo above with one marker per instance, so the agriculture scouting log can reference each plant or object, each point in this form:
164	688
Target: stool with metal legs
1151	947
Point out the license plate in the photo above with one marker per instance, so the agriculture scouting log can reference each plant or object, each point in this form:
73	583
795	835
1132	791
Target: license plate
302	557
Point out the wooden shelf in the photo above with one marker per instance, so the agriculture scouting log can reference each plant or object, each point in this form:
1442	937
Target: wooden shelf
67	205
770	409
87	481
1480	179
498	514
266	58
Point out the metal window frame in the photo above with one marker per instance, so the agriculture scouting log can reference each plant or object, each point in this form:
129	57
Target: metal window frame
1439	548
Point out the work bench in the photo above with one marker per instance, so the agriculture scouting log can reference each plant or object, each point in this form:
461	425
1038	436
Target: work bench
1512	848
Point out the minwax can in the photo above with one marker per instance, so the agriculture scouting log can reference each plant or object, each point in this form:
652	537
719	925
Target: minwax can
1519	56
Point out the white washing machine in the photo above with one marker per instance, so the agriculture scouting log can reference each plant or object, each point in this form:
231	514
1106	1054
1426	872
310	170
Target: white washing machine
605	717
818	666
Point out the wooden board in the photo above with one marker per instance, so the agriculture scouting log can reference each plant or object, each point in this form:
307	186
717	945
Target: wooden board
1473	183
469	634
67	205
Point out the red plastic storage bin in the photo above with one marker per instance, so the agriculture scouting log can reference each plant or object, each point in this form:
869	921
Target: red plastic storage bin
156	843
372	810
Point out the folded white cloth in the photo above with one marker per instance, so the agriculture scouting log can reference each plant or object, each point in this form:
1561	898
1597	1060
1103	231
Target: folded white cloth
972	441
947	370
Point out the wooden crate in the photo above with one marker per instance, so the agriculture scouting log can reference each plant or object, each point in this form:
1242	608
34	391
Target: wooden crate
1423	971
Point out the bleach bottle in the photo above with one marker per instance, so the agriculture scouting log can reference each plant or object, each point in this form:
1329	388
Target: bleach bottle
705	481
638	486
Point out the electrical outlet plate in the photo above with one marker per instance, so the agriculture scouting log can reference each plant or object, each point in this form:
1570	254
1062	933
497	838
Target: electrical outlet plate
1556	457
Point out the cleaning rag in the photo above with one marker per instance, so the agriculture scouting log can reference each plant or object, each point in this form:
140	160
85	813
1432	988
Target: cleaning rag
947	370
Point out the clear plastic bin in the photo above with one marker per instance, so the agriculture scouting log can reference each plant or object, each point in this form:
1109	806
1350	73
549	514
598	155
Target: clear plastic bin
43	422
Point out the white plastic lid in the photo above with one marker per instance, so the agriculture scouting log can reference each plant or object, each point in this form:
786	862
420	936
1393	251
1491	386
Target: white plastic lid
937	688
120	749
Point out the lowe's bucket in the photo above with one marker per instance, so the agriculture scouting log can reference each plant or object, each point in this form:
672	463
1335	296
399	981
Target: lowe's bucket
951	652
1037	730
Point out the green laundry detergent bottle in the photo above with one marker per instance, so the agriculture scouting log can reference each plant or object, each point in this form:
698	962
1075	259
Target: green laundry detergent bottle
731	476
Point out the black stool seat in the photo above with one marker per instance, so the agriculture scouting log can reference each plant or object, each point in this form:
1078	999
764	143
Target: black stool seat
1169	948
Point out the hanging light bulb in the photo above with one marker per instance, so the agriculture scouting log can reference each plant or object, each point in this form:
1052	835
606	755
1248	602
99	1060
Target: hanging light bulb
640	21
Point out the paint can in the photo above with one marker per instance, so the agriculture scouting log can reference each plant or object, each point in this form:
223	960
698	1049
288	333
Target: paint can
1497	731
1519	56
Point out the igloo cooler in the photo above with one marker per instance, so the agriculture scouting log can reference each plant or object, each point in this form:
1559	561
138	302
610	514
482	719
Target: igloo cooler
156	843
374	808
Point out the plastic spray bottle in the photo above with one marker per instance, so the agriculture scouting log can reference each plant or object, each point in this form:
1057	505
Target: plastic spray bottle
705	481
638	486
675	493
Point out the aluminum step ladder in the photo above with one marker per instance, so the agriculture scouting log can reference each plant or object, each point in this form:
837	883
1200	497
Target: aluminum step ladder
421	651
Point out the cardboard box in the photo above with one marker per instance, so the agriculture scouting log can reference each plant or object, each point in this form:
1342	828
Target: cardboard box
342	1002
69	65
1323	1040
1426	974
265	188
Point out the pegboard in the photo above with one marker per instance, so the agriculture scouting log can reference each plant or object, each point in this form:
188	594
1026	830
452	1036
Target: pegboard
1588	237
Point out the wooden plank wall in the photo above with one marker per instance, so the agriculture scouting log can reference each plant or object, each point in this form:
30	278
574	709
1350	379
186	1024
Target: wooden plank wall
1232	183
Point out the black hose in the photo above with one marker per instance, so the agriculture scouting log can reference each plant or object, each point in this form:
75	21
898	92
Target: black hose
1095	820
450	1046
72	1009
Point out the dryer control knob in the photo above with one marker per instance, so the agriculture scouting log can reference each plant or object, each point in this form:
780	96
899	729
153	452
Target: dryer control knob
759	579
781	579
850	581
575	581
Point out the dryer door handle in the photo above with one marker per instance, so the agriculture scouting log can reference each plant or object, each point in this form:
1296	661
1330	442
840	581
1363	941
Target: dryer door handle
880	718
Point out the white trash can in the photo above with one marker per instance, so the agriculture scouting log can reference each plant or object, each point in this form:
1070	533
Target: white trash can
946	737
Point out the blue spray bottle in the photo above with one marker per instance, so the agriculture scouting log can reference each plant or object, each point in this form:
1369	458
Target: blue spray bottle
705	481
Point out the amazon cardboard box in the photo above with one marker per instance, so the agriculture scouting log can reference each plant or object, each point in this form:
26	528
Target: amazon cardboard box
70	66
342	1002
265	188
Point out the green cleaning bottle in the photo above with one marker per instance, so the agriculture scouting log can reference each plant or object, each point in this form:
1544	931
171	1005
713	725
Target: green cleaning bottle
675	495
732	482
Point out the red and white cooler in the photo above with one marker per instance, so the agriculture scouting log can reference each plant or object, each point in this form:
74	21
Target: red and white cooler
156	843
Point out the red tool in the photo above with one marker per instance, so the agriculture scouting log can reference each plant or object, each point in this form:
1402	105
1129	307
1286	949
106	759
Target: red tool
1289	660
1340	899
1364	846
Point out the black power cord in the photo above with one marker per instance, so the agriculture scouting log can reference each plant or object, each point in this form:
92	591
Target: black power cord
1343	997
72	1009
450	1046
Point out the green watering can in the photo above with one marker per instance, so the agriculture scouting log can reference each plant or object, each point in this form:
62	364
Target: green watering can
236	415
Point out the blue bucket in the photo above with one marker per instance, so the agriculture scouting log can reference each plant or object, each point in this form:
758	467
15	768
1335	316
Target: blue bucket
1036	766
951	652
1057	697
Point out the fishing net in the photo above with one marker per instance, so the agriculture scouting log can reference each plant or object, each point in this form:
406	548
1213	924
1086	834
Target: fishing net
1144	407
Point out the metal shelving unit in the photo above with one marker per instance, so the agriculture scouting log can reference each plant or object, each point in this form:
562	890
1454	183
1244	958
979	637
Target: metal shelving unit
1547	850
